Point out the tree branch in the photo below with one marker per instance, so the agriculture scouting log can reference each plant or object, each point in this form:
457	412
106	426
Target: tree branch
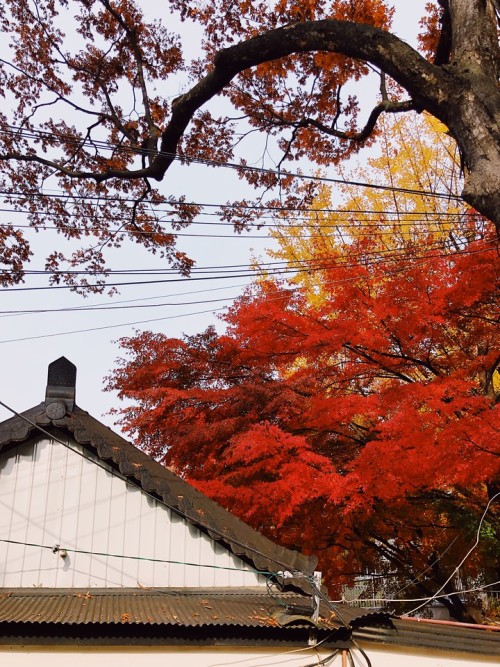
383	107
151	142
356	349
361	41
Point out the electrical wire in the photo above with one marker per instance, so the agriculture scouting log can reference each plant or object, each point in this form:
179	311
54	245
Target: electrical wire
324	661
430	566
59	194
456	570
58	548
138	283
104	307
305	221
113	326
137	233
330	603
186	159
425	600
100	306
246	660
361	259
382	229
355	643
317	262
224	273
108	326
334	607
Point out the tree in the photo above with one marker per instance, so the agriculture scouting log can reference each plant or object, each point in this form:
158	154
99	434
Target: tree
416	155
362	426
285	67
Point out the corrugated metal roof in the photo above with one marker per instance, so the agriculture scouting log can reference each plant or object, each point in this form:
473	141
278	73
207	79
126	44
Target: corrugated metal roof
455	637
103	612
154	478
178	607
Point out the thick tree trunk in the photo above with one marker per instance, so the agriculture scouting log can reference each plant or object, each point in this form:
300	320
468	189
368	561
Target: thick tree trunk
473	114
473	118
480	147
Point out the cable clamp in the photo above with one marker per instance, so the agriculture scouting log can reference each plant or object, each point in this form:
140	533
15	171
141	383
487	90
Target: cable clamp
56	549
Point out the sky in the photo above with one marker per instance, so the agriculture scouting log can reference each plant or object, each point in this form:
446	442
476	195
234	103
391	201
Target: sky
30	341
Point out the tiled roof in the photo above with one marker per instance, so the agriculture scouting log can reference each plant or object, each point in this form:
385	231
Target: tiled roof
155	479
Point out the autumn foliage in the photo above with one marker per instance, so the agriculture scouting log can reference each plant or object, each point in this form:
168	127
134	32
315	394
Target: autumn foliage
93	118
363	426
353	409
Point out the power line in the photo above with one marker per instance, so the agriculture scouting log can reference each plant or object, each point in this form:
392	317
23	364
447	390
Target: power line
369	230
307	263
283	267
104	307
33	134
414	217
314	262
456	570
429	567
59	194
113	326
100	306
428	599
108	326
58	548
247	274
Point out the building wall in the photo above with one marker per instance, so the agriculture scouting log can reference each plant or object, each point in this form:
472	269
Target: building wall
50	495
18	656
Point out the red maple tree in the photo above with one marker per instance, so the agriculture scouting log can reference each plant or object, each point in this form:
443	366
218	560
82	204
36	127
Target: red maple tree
363	427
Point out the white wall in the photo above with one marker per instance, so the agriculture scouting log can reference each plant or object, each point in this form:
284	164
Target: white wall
219	657
50	495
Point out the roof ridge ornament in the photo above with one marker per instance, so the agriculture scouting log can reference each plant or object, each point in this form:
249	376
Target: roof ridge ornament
61	388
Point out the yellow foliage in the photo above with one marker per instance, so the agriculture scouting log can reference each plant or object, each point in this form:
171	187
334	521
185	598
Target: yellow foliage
416	154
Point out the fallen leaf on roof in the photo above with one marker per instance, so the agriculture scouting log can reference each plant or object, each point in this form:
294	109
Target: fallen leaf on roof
268	620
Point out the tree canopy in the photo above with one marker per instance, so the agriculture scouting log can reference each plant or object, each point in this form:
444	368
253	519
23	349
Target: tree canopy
89	110
352	411
363	428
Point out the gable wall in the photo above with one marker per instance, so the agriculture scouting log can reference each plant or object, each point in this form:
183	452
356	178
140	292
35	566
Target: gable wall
50	495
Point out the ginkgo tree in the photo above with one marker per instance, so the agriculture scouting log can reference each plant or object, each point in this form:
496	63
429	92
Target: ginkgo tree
415	155
88	87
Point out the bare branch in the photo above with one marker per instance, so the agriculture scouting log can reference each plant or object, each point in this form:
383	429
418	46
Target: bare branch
362	135
150	144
